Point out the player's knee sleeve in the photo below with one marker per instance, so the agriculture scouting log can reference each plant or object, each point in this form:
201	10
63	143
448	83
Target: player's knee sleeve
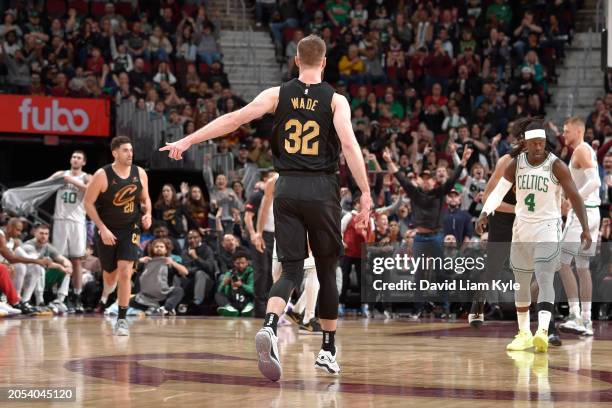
582	262
545	275
328	289
523	294
566	259
290	278
546	306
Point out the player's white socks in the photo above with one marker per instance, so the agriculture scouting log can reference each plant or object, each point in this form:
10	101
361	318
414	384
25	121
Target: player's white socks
107	291
311	291
63	290
544	319
586	311
574	307
523	321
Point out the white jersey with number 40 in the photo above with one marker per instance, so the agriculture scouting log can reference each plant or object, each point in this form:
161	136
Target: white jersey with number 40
69	201
538	192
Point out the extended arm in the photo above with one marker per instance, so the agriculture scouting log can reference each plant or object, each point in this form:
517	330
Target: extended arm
494	181
263	103
495	198
562	173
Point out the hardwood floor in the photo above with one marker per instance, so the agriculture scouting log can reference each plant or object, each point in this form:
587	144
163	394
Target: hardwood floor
211	362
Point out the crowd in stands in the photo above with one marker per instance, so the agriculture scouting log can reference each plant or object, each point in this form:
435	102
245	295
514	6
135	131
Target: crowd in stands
426	79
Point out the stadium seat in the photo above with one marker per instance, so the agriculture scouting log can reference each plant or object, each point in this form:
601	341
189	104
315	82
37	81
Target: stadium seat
203	68
97	8
80	6
124	8
56	7
288	33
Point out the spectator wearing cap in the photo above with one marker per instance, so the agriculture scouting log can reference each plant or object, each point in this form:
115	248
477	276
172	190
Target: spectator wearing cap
242	158
317	25
524	84
427	202
457	222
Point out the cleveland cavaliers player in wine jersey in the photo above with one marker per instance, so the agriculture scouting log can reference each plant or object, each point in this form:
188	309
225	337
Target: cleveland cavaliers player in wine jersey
117	201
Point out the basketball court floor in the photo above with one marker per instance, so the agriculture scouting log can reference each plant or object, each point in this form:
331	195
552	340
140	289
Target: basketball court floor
211	362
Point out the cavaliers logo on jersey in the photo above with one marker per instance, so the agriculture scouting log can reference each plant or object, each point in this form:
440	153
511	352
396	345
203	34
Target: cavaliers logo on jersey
125	198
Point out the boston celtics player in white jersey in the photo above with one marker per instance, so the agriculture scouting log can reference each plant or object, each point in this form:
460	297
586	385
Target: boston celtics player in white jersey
69	228
583	167
540	178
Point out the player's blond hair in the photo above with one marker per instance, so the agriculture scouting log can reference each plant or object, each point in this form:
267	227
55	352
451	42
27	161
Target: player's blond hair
311	51
575	121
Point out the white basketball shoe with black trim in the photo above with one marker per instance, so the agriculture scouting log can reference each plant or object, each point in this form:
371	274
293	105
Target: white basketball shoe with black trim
327	361
266	344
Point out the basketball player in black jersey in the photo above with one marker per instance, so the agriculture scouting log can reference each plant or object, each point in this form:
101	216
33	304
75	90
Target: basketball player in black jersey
117	201
311	124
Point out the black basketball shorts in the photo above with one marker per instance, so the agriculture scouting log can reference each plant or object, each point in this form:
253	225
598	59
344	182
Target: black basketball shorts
307	207
126	248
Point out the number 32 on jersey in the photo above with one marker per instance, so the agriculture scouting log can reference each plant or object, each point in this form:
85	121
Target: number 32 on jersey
301	137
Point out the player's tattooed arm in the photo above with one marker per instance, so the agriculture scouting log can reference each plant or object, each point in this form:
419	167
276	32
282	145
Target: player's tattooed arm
562	173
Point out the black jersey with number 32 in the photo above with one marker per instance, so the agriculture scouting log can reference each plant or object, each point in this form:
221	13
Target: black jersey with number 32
304	135
119	205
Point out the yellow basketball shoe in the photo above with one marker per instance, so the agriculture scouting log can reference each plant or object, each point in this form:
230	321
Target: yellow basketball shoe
540	341
522	341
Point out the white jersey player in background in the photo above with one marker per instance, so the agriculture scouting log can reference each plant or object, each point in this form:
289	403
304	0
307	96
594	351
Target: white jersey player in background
69	224
303	312
584	171
539	177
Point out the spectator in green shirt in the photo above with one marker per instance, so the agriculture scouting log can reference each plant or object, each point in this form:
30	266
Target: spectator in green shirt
235	293
501	11
338	11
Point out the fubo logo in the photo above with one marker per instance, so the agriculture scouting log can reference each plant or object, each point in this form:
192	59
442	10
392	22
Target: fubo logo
48	115
52	119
